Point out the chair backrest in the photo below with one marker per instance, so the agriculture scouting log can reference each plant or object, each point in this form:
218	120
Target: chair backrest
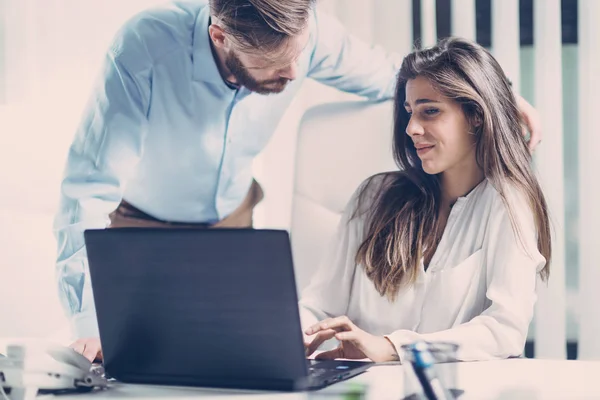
339	145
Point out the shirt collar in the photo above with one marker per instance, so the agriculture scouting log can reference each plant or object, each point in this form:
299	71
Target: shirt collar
204	63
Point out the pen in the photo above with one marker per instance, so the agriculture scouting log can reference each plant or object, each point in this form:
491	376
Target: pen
423	365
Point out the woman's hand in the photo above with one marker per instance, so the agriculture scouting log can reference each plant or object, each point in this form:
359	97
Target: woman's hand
354	342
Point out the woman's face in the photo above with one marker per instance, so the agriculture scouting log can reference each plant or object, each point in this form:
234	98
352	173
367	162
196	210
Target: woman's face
438	128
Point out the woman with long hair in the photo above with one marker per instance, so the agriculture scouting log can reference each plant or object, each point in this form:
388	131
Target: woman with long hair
449	247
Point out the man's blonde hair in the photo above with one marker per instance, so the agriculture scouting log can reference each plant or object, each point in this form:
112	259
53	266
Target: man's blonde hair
261	24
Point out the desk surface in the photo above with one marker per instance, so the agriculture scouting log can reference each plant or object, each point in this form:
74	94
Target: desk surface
512	379
507	379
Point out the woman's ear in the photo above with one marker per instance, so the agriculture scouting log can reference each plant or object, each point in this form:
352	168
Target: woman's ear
476	120
474	117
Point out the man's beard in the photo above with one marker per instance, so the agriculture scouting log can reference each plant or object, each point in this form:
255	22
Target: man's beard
243	78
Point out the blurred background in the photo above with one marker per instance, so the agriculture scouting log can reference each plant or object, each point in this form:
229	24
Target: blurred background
50	53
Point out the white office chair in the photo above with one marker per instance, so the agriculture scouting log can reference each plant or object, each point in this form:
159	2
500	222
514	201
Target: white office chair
339	145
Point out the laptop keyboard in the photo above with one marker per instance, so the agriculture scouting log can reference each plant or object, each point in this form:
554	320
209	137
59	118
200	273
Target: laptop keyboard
314	369
318	371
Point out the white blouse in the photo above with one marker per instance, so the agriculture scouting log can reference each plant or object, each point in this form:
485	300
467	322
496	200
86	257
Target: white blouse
479	290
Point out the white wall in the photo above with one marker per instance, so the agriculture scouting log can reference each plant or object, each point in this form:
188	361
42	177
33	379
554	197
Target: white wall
52	53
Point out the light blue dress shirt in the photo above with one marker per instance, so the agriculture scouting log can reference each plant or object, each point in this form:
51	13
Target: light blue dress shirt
163	131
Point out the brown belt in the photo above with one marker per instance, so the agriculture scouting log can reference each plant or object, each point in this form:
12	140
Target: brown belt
128	216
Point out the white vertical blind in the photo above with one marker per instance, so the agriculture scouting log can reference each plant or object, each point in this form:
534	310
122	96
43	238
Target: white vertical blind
589	182
428	23
506	38
550	335
464	19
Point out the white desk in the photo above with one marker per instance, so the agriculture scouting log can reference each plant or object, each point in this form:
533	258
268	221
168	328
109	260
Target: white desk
507	380
513	379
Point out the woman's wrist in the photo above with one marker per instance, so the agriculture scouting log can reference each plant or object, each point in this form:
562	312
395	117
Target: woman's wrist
393	353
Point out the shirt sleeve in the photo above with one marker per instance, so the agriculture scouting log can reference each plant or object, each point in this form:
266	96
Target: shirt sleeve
106	148
512	263
341	60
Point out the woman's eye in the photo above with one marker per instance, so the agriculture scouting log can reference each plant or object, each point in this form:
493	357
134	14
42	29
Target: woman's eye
431	111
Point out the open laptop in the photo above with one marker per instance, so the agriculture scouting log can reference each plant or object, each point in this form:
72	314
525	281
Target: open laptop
203	307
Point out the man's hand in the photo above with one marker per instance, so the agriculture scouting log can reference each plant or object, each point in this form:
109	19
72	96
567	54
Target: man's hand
532	121
354	342
89	347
